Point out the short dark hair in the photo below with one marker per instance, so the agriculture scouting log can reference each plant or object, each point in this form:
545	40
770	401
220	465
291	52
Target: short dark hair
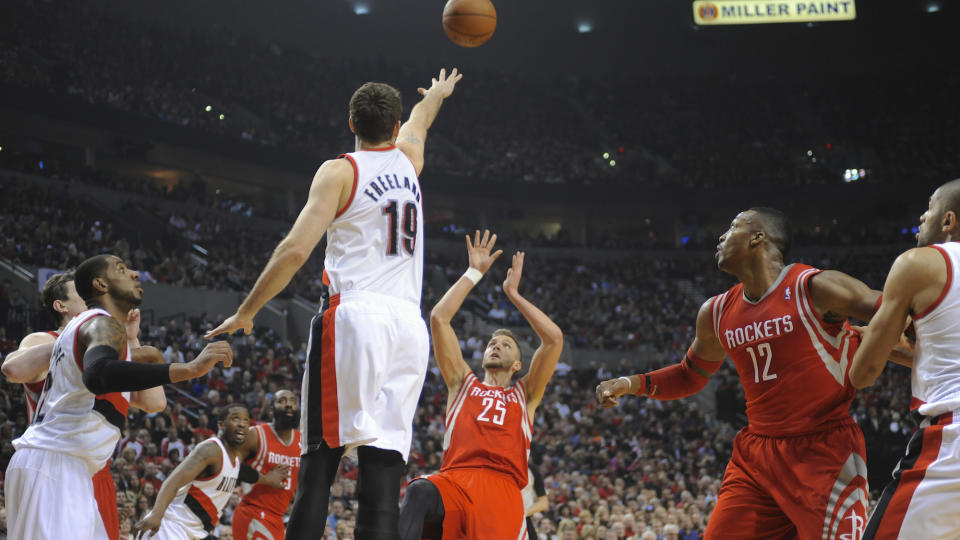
375	109
776	225
950	195
89	270
55	289
509	334
225	411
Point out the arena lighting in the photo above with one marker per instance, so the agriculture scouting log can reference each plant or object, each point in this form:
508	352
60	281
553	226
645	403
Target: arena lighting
613	163
361	9
584	26
208	108
933	7
606	155
221	117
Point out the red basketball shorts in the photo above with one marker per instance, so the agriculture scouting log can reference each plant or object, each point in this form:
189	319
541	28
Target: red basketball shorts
480	504
808	486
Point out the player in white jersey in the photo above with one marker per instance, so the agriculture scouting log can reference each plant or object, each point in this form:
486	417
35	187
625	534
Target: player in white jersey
30	362
368	349
923	499
191	499
73	433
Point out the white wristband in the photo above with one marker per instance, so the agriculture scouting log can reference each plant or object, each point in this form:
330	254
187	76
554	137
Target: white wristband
473	275
629	384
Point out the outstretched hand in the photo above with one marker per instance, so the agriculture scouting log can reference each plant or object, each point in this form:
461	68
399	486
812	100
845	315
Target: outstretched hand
608	392
442	84
478	251
232	324
512	282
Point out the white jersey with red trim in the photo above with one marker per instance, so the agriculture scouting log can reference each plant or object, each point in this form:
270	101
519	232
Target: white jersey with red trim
197	505
936	365
70	418
375	244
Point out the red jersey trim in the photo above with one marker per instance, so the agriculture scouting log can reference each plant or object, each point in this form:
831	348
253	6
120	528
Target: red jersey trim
946	286
353	190
213	517
54	333
384	149
916	403
329	404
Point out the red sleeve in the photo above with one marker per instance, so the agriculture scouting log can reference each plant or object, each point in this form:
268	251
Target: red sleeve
679	380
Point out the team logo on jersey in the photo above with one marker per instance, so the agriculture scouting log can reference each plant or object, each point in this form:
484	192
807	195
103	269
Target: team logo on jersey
786	294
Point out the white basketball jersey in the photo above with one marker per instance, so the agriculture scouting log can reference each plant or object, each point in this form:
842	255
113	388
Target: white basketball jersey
198	505
70	418
375	243
936	365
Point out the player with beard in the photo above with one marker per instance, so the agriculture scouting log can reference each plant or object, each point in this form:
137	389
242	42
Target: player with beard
267	448
29	364
191	499
48	489
923	498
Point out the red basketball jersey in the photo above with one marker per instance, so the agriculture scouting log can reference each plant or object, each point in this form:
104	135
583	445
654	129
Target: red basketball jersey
274	452
488	428
33	390
793	366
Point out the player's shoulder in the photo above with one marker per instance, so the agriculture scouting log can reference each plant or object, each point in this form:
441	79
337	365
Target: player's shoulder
339	168
37	338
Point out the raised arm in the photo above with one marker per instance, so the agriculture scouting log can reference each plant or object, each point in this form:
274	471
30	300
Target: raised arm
703	359
206	455
837	296
551	337
413	133
446	346
30	362
330	192
913	285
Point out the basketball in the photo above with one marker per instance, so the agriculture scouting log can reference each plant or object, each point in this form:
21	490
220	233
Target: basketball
469	23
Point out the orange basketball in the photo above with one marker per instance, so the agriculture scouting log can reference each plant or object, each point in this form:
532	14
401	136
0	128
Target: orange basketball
469	23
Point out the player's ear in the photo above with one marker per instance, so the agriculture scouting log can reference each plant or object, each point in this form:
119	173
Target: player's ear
396	129
350	123
757	238
59	307
100	284
949	221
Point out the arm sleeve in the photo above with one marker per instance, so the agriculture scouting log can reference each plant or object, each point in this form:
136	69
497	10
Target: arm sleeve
679	380
104	372
248	474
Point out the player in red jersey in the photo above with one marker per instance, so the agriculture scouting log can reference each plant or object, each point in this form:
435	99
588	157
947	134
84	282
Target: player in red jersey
487	439
259	516
798	469
30	362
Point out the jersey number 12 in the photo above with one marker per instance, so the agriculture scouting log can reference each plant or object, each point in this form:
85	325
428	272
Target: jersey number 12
765	354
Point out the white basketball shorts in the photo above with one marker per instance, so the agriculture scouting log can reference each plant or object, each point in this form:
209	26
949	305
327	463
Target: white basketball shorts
366	362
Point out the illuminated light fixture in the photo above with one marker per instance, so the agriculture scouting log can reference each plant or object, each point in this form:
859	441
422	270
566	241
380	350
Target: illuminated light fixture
361	9
584	26
221	117
613	163
606	155
933	7
208	108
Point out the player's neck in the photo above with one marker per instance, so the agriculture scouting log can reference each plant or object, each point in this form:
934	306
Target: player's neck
111	306
497	377
285	435
364	145
758	277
